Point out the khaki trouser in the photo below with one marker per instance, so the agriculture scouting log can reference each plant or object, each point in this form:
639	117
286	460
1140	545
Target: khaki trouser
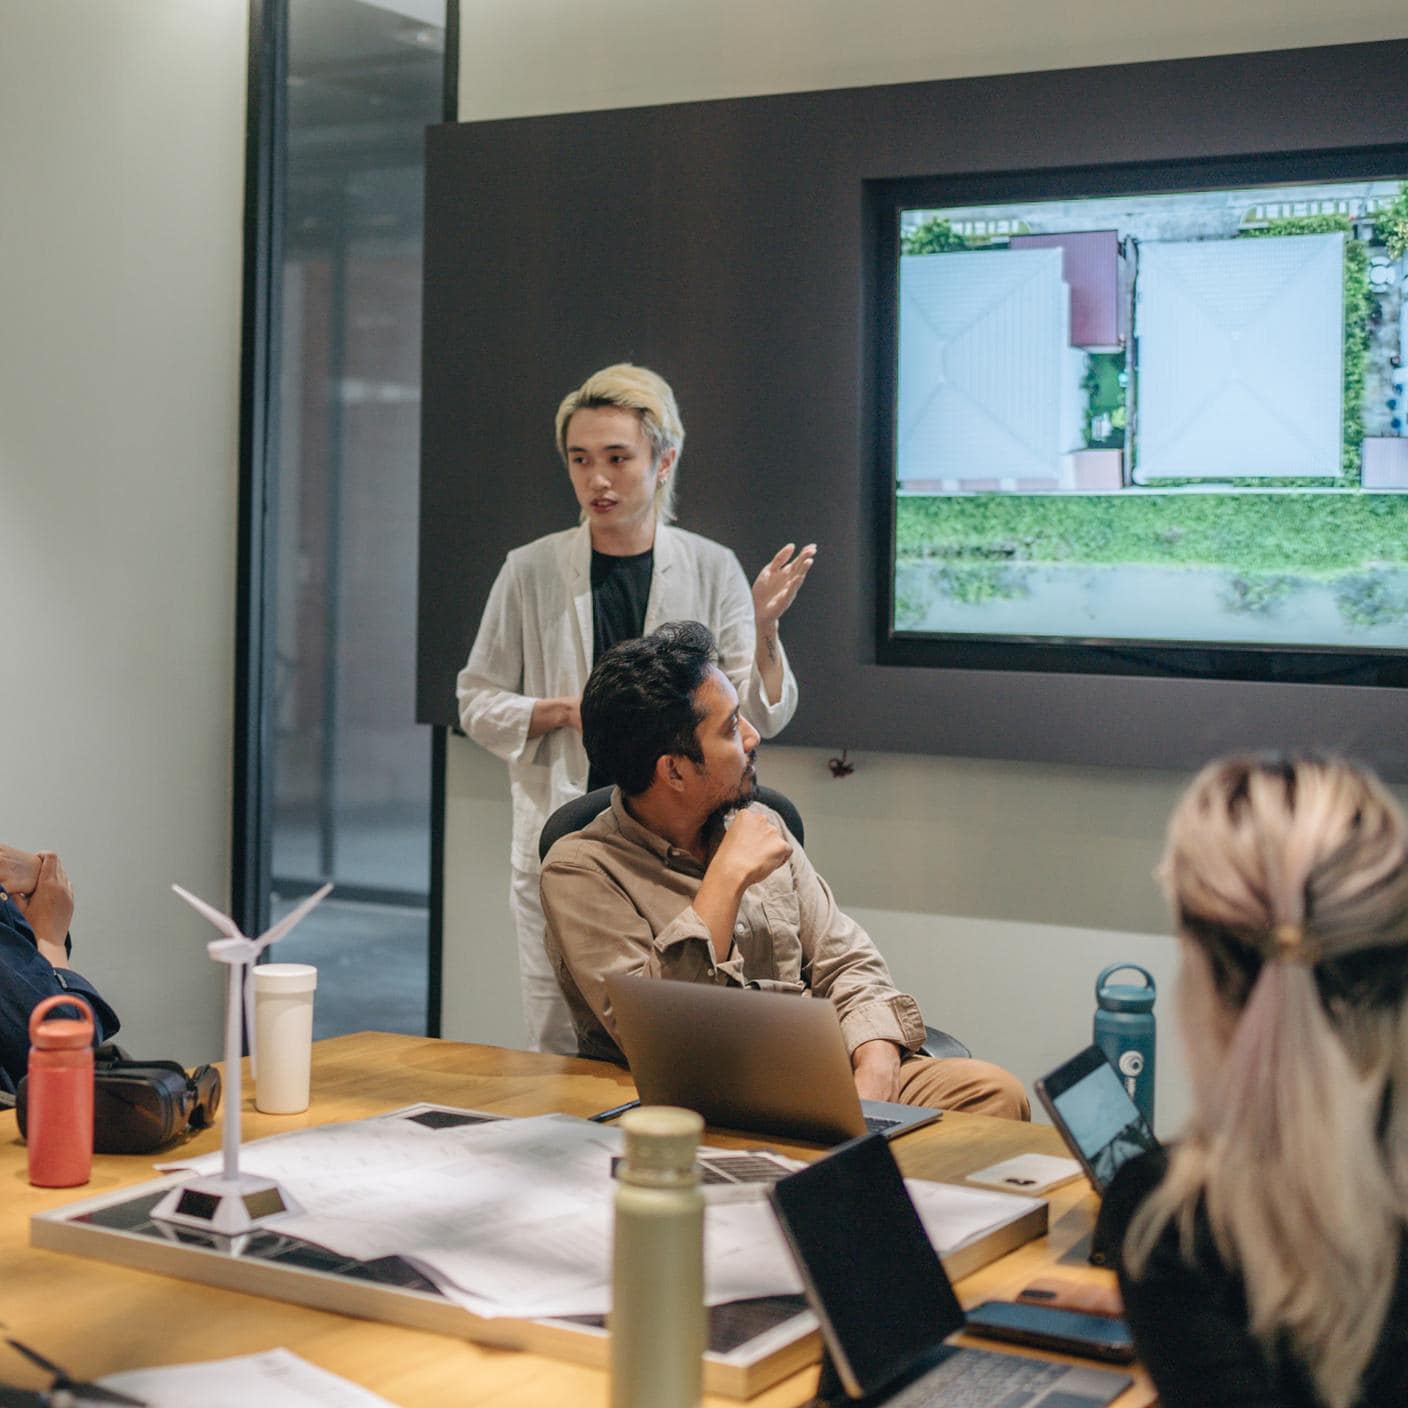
961	1083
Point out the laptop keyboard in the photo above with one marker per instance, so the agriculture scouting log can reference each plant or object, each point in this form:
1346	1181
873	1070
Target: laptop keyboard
973	1378
740	1168
878	1124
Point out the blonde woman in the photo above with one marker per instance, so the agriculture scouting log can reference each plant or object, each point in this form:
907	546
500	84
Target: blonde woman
1268	1265
563	600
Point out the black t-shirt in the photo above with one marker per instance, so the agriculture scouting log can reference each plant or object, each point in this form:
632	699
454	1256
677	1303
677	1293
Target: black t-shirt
620	592
1190	1322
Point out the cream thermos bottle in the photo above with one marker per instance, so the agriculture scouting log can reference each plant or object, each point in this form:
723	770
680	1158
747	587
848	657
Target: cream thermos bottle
657	1319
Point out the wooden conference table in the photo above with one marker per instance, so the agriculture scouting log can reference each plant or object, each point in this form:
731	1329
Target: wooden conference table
96	1318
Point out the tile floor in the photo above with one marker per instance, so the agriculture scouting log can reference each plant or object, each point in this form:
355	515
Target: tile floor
372	962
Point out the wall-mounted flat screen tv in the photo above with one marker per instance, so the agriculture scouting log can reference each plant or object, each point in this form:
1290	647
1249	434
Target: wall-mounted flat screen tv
1148	420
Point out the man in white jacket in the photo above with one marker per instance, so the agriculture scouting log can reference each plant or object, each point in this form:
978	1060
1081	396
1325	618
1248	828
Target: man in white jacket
563	600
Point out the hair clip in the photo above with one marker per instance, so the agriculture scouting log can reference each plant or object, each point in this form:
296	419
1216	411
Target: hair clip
1290	943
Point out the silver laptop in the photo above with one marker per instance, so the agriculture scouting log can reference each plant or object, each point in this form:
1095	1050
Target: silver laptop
774	1063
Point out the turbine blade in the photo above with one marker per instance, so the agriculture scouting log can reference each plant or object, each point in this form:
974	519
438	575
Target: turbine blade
34	1357
279	930
223	922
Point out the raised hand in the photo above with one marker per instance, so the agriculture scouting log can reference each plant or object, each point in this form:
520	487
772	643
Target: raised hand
752	848
777	585
49	909
19	870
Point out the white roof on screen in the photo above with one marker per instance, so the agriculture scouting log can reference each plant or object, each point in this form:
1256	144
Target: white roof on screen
1241	346
986	385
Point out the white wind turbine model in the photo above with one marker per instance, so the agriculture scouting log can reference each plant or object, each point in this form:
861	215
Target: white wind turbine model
232	1202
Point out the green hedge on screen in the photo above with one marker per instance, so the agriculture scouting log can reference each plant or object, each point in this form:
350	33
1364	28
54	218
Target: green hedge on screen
1318	534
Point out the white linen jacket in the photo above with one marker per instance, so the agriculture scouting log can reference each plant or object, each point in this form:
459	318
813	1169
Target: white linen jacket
535	642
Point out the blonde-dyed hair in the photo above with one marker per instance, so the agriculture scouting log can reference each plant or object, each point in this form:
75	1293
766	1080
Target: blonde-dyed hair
631	388
1289	882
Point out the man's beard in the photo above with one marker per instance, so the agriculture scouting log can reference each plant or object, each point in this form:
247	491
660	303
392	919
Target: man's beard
747	784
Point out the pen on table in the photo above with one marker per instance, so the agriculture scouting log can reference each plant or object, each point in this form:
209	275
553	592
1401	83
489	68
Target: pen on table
602	1116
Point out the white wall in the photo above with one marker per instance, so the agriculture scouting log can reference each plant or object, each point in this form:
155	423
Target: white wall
519	57
996	890
121	190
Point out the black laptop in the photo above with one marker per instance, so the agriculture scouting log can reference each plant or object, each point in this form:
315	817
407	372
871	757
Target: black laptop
886	1305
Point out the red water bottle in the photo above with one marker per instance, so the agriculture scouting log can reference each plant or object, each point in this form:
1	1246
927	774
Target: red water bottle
59	1127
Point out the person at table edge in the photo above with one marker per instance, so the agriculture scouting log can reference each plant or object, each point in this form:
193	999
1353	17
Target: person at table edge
36	907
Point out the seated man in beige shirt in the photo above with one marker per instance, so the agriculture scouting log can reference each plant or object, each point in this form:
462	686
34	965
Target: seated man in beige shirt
682	878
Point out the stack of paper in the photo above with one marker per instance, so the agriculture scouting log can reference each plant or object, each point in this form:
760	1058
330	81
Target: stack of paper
514	1217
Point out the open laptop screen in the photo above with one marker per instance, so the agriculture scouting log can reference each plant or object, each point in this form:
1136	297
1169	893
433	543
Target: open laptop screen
872	1274
1096	1115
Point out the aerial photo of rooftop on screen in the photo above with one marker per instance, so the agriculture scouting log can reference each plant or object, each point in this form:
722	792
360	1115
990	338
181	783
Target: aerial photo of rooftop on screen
1169	417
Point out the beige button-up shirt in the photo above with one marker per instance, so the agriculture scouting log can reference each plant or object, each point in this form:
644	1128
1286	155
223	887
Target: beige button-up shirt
619	899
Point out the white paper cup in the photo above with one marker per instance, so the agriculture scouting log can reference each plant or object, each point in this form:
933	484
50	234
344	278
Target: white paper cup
283	1035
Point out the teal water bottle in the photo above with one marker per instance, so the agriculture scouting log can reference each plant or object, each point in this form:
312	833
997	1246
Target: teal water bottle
1124	1031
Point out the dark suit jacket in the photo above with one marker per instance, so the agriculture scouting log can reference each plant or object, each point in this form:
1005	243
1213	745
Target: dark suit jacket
26	978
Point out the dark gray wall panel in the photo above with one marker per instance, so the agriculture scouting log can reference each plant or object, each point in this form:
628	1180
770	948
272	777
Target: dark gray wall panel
722	244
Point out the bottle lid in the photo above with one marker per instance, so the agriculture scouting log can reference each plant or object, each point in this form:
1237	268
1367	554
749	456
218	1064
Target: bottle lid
1120	998
661	1143
1125	997
61	1033
285	977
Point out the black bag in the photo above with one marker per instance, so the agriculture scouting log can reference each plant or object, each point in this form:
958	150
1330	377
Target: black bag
140	1105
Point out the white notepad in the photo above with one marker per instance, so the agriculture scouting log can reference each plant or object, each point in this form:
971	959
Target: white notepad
1027	1173
276	1379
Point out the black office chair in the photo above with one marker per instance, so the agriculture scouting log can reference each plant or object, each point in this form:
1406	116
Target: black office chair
574	815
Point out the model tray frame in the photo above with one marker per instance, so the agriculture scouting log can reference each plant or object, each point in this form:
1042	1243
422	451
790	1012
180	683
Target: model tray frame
752	1344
